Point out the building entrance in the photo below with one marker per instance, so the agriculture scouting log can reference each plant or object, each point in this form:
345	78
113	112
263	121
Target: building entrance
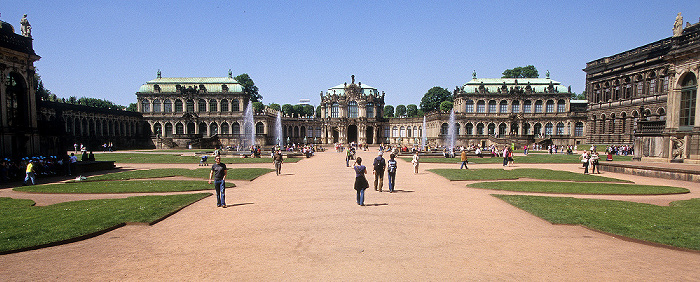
352	133
370	135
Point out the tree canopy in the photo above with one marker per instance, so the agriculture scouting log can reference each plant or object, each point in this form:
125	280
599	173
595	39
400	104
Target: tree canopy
249	87
258	107
446	106
431	100
521	72
388	111
287	110
274	106
411	110
400	111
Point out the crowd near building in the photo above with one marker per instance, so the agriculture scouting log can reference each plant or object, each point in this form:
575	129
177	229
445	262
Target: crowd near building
645	97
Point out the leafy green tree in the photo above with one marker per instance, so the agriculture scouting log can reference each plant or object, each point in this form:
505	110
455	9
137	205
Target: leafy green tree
308	110
298	110
411	110
446	106
72	100
249	87
521	72
388	111
132	107
581	96
98	103
431	100
258	107
274	106
318	111
287	110
420	113
400	111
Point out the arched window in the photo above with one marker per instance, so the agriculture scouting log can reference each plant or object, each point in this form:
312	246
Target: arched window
550	106
537	130
515	107
202	106
213	128
352	109
157	129
370	110
492	129
503	108
178	106
179	128
689	90
202	129
145	106
492	106
189	106
470	106
502	129
259	128
481	107
235	128
456	128
335	108
578	129
167	106
527	106
224	128
402	131
168	130
480	129
156	106
443	128
213	105
560	128
395	132
561	106
548	129
409	132
469	128
235	105
224	106
538	106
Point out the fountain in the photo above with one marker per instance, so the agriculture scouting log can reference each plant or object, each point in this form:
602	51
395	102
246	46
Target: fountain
278	129
451	132
249	125
424	135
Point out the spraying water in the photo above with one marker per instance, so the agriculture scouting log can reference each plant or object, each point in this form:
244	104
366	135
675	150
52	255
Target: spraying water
451	132
278	130
424	134
249	125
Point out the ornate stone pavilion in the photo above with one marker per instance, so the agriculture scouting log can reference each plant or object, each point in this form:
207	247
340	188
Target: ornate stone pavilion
648	96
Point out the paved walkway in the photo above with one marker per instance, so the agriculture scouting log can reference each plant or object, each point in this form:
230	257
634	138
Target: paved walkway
305	225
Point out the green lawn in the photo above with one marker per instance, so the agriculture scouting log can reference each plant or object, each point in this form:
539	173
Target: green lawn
23	225
579	188
529	159
677	225
534	173
232	174
109	187
135	158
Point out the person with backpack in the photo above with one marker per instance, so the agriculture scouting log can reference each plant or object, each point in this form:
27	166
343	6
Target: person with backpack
379	166
391	172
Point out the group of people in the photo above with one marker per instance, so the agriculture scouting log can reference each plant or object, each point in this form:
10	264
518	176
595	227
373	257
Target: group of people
590	159
379	165
29	168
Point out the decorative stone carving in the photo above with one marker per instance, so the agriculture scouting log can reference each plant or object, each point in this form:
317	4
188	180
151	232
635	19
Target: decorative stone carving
26	27
677	147
678	25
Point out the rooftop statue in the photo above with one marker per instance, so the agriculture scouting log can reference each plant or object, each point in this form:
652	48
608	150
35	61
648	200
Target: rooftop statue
26	27
678	25
474	74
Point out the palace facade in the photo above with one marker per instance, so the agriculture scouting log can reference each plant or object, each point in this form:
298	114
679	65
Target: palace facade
648	96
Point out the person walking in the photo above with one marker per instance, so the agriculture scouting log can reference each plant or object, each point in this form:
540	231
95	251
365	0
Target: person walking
463	158
391	172
415	162
30	177
505	155
595	164
378	169
360	181
218	172
347	156
585	159
278	159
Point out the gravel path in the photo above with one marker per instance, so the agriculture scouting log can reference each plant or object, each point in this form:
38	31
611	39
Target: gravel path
305	225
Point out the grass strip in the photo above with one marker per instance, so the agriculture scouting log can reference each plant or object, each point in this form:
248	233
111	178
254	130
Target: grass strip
115	187
232	174
677	225
136	158
24	226
579	188
529	159
534	173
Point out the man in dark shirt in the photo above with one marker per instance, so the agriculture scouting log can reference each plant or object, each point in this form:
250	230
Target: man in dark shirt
379	165
277	158
218	171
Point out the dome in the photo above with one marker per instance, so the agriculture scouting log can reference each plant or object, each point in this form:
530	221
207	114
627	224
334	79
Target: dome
6	27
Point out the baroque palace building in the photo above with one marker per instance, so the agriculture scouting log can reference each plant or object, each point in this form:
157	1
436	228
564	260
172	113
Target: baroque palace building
647	96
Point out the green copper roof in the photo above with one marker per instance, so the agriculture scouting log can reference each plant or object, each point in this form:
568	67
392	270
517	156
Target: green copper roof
493	84
340	90
212	84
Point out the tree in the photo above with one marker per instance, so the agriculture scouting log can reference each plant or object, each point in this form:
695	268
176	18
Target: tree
308	110
249	87
388	111
298	110
318	111
287	110
581	96
400	111
431	100
411	110
521	72
132	107
446	106
274	106
258	107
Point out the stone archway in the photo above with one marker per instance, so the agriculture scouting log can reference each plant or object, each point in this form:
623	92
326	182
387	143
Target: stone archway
352	133
336	135
369	135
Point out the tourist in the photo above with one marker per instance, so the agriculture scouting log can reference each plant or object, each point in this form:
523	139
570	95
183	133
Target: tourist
478	152
505	155
525	150
595	164
391	172
360	181
347	157
378	169
203	160
584	159
218	171
278	160
415	162
463	158
29	179
510	156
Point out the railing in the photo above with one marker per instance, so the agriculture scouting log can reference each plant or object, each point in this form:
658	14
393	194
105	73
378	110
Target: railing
650	127
17	42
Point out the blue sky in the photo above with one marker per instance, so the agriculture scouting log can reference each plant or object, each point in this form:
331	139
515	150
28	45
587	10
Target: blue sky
294	50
